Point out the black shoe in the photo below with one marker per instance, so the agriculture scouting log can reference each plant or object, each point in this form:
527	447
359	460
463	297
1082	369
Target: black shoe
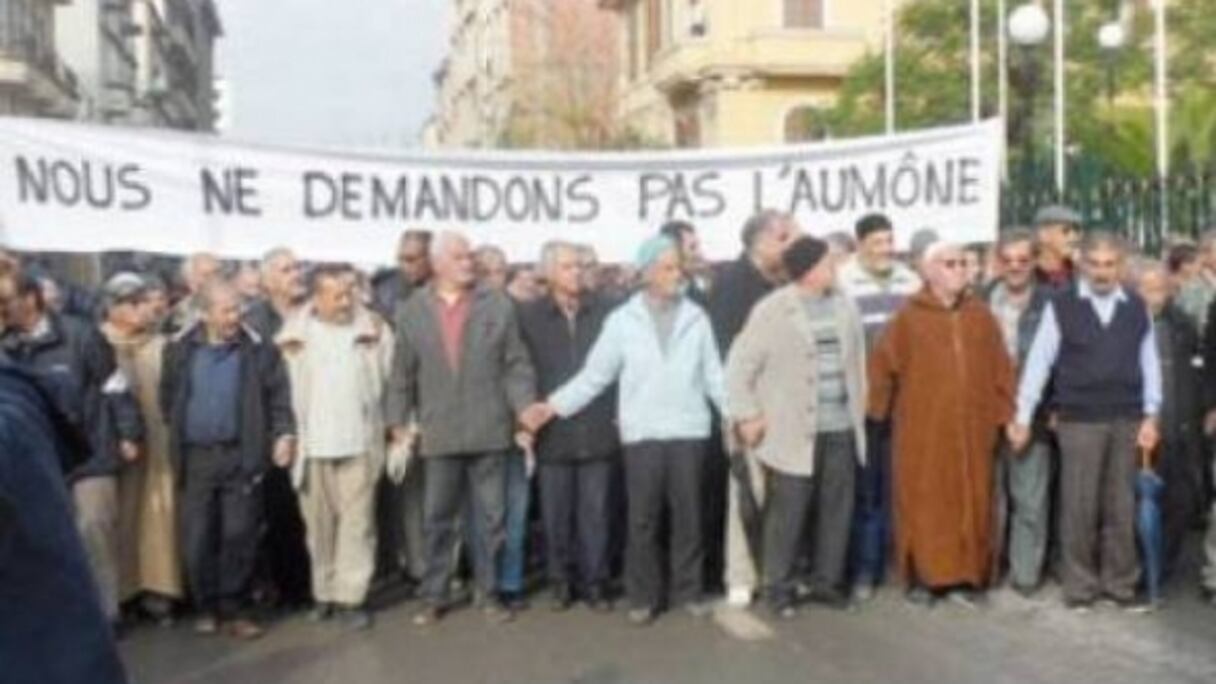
829	598
1135	605
358	619
1025	591
598	601
563	597
515	600
498	612
321	612
786	610
1079	605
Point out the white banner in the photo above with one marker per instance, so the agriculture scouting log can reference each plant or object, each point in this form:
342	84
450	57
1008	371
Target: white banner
82	188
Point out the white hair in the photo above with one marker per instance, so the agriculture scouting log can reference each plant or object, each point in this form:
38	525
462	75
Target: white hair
445	240
551	249
273	255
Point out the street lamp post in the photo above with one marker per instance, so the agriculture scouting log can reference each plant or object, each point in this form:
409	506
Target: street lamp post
1111	38
1028	28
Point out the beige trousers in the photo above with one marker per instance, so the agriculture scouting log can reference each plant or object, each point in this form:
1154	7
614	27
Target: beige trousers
338	505
96	503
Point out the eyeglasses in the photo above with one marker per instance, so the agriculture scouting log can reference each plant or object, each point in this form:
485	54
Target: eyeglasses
954	263
1020	261
410	258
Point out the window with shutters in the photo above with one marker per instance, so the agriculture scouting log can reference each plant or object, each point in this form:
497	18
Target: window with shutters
803	13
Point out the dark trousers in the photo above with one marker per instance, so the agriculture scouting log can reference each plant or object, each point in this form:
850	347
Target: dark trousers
574	506
285	555
450	481
794	503
664	477
715	503
221	516
1097	509
871	535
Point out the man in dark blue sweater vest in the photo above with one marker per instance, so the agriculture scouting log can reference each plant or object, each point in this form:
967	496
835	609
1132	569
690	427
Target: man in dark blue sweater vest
1096	339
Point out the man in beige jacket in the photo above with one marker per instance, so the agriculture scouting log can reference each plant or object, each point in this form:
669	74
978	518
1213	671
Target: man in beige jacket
338	357
796	393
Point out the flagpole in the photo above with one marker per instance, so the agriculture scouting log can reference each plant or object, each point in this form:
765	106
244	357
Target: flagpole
1060	135
889	67
975	60
1002	82
1161	106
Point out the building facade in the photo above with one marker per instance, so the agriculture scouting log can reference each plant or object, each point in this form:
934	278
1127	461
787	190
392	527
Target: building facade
706	73
527	73
34	81
175	57
96	37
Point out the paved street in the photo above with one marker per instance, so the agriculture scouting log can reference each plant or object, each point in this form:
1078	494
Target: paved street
1012	640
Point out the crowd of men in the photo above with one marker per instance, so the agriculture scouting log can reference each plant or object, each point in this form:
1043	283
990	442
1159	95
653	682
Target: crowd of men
784	428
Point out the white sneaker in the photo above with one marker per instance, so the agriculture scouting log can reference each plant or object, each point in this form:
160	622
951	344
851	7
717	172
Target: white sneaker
739	597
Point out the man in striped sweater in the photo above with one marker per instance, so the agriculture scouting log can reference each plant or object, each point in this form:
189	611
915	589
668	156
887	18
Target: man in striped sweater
878	285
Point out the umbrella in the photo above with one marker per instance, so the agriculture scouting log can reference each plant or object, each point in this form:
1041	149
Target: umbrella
1148	524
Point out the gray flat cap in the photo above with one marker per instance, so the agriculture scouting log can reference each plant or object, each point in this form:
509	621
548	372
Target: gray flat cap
1056	213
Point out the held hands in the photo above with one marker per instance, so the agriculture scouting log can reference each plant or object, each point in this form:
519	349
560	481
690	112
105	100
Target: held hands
402	445
1148	436
1018	436
536	416
1209	423
284	451
526	442
751	432
129	451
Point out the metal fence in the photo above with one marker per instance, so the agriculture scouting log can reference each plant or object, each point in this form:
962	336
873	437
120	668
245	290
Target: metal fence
1129	205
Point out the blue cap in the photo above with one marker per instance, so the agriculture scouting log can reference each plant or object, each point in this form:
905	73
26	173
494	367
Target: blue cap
651	250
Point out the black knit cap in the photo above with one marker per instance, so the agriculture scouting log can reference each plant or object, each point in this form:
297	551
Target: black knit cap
802	255
871	223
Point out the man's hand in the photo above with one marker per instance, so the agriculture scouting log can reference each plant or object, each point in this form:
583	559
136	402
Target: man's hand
1148	436
284	451
400	435
397	462
751	432
1209	423
130	451
536	416
1018	436
526	442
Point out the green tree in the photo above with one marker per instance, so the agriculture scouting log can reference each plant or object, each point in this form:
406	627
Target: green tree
1108	96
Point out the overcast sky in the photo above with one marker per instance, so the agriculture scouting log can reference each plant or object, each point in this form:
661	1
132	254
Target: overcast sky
330	72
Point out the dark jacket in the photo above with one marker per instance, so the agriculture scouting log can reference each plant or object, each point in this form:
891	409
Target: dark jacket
77	364
263	318
1182	409
265	412
735	292
473	410
1028	324
1028	327
52	630
390	292
558	351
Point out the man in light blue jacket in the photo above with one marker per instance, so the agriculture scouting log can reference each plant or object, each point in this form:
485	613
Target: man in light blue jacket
660	347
